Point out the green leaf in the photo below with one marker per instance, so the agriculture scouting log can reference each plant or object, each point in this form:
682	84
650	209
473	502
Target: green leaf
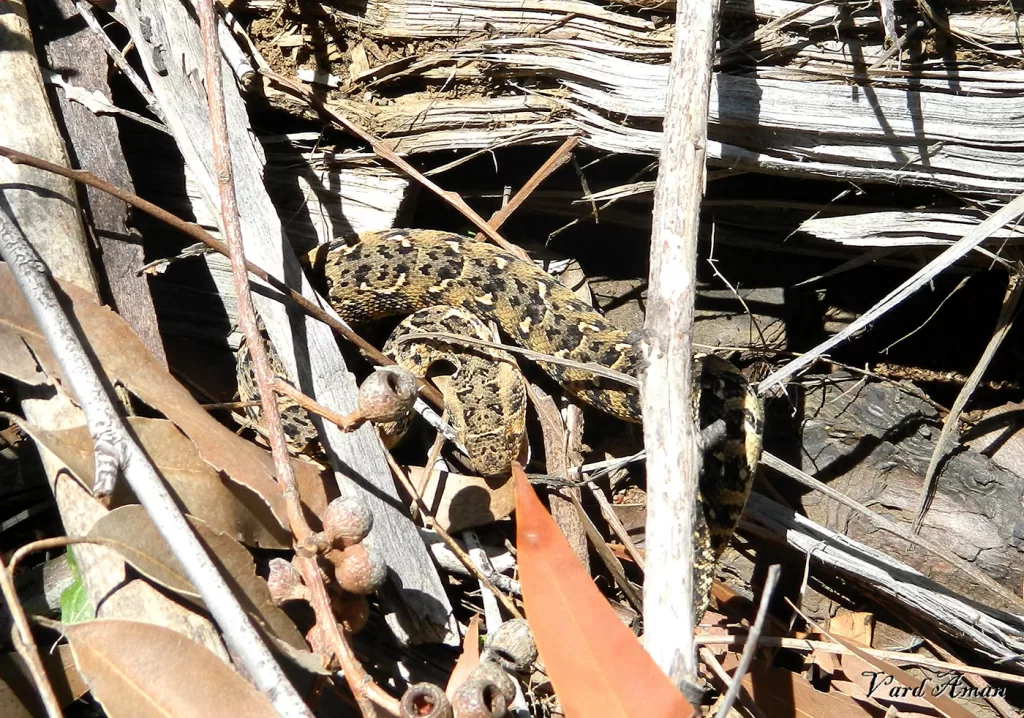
74	603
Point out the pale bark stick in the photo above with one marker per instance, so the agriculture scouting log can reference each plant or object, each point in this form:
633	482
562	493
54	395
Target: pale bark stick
751	646
670	434
169	50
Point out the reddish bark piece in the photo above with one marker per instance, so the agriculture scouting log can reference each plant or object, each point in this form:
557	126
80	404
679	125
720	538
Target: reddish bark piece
468	660
783	694
942	703
596	664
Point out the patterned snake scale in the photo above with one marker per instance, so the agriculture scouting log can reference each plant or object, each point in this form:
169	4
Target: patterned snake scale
379	274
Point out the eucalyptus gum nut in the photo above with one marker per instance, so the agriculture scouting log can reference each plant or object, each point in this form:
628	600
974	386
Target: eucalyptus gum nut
357	569
347	521
387	395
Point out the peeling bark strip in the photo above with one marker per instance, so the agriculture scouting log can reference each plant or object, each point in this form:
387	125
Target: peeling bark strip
822	103
72	49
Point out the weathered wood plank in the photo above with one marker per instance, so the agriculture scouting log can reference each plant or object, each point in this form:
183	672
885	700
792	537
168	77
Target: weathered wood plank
72	49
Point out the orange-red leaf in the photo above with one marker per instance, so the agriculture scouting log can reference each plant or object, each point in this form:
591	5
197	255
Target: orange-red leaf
596	664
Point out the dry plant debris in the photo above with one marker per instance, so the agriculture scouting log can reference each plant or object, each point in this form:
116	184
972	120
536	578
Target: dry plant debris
859	257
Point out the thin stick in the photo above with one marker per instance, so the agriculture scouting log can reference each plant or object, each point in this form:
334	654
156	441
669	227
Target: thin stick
562	155
609	559
711	661
365	690
750	648
1003	325
201	235
595	369
346	422
428	470
25	644
807	644
998	703
117	57
673	460
236	253
218	405
285	474
450	542
53	542
617	527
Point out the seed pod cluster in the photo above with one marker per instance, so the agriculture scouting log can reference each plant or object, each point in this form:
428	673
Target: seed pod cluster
358	569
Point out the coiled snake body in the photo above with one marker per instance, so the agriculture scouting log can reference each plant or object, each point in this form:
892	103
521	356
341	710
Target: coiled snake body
378	274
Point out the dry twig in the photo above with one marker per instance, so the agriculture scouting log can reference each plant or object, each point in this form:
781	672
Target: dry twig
450	542
201	235
750	647
25	643
383	151
1006	214
306	556
807	644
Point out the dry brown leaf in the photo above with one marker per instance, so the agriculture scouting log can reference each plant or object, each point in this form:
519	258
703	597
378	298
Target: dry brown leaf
125	360
198	487
460	502
137	669
147	552
18	360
